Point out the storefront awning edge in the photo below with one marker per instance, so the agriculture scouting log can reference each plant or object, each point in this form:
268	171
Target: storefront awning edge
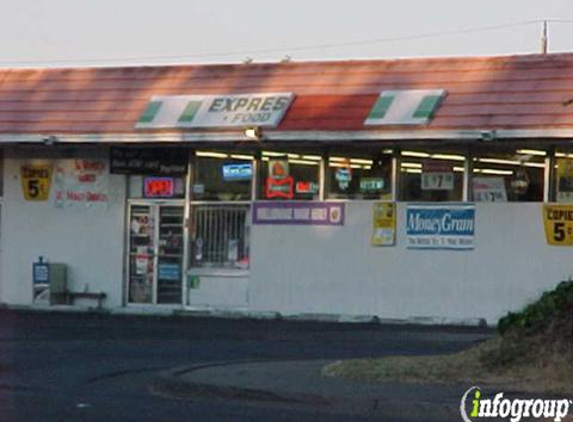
312	136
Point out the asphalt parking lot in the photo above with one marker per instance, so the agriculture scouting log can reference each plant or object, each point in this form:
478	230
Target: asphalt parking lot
92	367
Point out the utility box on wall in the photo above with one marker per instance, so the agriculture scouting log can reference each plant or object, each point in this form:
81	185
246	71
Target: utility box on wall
58	281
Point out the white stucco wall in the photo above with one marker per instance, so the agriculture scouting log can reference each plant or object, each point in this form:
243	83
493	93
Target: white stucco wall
220	292
336	270
89	241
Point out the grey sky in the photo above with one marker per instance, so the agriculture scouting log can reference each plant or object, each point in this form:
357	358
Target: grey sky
113	30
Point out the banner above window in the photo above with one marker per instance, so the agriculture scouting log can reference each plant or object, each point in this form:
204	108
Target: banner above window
215	111
405	107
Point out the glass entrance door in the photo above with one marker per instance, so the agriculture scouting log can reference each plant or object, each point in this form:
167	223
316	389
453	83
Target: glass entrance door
155	253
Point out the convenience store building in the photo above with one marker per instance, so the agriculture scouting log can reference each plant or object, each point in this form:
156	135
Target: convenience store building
427	189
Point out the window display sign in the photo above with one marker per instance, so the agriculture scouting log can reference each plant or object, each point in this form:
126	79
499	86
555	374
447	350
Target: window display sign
520	182
343	176
564	180
150	161
384	224
237	172
278	169
299	213
306	187
437	175
158	187
215	111
168	271
36	181
489	189
440	226
558	223
371	185
280	188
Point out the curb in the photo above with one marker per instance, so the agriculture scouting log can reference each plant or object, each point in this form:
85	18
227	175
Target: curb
256	315
170	384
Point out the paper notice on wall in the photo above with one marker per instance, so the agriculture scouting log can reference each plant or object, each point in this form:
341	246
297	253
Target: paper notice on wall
384	224
489	189
81	183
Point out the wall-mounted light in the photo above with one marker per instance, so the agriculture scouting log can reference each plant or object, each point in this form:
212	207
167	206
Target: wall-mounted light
254	133
50	140
488	135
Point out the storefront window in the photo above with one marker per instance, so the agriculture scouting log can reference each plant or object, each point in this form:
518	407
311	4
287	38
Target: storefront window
431	175
359	176
290	176
219	176
563	172
515	175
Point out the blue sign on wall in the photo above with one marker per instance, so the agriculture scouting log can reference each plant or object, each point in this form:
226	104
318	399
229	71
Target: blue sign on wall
448	226
40	272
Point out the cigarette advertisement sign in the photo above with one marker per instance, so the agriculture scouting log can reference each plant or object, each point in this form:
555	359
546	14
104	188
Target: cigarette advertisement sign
215	111
558	222
299	213
440	226
36	181
384	224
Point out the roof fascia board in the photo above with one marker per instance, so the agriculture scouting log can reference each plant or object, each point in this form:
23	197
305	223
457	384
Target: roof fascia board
317	136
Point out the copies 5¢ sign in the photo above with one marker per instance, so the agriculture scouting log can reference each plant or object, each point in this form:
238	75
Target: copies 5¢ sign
558	222
36	180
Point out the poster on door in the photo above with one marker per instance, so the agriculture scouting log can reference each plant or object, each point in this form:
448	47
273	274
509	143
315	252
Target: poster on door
81	183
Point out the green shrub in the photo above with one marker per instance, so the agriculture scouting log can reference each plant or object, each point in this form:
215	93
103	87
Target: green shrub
551	307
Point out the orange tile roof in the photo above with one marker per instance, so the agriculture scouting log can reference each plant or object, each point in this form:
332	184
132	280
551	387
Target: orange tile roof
483	93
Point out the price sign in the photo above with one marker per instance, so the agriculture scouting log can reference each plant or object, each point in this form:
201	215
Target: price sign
158	187
437	181
489	189
36	180
437	175
558	222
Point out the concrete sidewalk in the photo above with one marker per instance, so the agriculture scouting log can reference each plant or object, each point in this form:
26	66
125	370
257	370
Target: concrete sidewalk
299	383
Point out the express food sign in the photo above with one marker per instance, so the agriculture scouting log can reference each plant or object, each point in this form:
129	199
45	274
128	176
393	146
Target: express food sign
215	111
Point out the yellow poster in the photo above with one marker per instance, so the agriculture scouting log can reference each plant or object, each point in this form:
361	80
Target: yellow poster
558	222
36	181
384	224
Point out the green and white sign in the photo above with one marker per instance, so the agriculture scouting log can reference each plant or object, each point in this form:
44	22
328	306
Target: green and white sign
215	111
405	107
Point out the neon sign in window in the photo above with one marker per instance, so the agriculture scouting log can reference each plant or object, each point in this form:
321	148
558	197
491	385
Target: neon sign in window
158	187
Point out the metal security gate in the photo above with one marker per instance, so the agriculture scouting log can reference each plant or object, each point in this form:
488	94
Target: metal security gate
220	235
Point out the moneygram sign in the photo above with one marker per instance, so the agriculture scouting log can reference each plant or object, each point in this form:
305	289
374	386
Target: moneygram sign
215	111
